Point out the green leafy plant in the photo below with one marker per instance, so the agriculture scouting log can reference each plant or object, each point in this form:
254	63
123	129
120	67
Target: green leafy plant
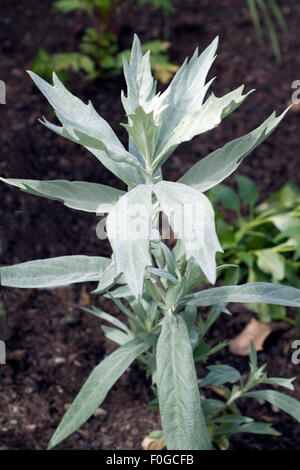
99	53
222	415
153	286
265	241
166	7
271	12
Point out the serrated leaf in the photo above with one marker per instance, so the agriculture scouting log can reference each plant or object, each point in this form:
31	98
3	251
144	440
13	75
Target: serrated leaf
129	232
260	292
219	164
96	388
53	272
144	132
183	422
89	197
186	92
191	217
141	87
206	117
83	125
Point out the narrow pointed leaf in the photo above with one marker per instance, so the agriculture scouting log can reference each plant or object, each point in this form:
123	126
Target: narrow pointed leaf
281	382
53	272
260	292
89	197
141	87
108	278
219	164
115	335
96	388
107	317
284	402
183	422
186	92
258	428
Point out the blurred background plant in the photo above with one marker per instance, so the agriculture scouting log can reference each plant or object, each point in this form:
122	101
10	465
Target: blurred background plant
99	54
166	7
271	13
263	240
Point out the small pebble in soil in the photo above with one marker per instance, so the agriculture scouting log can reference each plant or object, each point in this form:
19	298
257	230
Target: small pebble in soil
134	432
101	413
107	440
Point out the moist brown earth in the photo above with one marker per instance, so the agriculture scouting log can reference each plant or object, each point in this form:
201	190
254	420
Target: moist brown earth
52	345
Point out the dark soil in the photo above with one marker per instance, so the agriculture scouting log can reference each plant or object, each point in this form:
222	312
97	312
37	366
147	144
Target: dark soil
52	345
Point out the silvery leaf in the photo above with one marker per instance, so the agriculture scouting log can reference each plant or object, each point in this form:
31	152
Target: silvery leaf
203	119
83	125
129	232
219	164
186	92
89	197
191	217
53	272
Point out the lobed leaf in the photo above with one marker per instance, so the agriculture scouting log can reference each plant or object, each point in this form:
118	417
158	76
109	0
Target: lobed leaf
141	87
205	118
83	125
186	92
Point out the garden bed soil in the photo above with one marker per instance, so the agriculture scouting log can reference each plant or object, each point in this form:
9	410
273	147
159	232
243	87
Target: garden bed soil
52	345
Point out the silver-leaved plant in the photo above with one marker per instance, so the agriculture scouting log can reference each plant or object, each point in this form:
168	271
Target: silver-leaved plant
163	329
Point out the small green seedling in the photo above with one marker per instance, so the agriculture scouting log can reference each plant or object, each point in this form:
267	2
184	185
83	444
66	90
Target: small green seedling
99	54
263	240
